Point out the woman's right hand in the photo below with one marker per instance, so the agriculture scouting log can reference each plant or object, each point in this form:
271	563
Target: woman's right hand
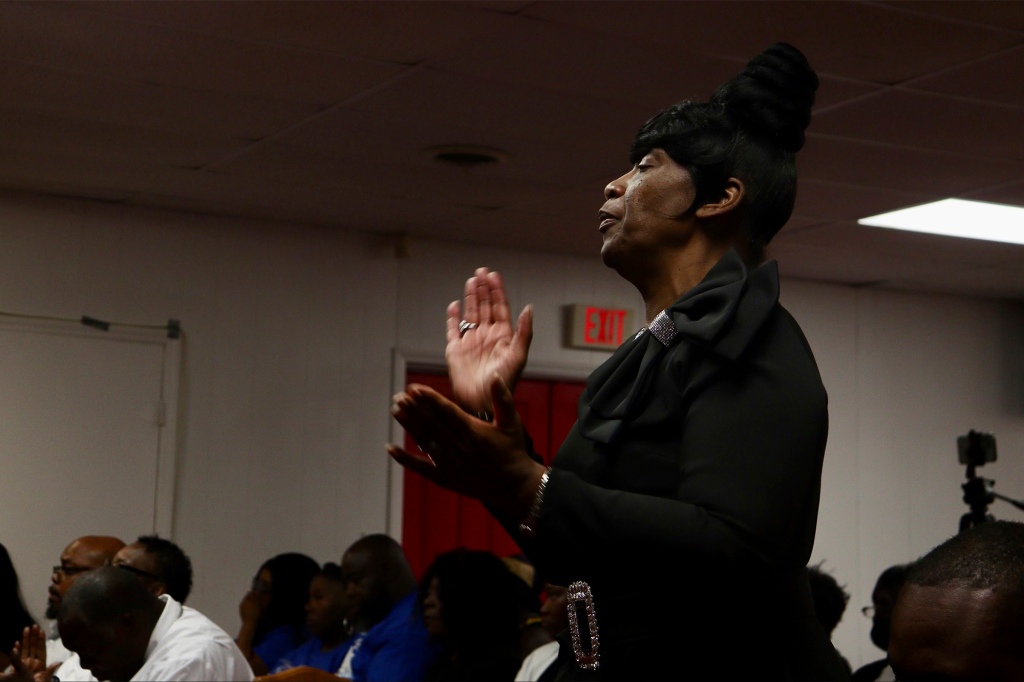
491	346
249	609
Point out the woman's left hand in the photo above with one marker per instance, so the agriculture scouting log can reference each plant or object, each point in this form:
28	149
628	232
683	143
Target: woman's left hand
484	460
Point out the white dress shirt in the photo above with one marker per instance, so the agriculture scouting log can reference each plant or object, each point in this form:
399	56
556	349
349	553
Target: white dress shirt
71	670
537	661
186	645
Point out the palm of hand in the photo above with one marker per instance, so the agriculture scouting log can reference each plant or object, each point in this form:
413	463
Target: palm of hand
474	358
491	344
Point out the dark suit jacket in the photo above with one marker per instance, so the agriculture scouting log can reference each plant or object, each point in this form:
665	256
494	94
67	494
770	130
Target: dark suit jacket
694	523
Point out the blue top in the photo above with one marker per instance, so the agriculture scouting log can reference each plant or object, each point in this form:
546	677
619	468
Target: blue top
396	649
277	643
311	654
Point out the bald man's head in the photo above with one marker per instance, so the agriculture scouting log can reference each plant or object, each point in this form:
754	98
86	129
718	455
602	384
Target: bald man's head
107	617
84	554
960	615
377	576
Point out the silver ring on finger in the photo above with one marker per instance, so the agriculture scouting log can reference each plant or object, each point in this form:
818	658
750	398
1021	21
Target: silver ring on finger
466	326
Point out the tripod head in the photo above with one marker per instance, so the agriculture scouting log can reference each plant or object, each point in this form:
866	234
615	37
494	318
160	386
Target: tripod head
975	450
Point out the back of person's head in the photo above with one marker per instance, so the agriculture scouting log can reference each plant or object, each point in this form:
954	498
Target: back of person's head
830	598
988	556
479	601
290	575
14	617
107	618
891	580
960	614
174	568
751	129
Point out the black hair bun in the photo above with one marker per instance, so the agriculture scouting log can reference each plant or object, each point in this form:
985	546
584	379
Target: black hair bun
773	95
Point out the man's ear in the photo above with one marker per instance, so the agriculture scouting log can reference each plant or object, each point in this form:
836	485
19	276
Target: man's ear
729	200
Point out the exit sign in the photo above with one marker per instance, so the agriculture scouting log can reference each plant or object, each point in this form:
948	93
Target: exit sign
591	326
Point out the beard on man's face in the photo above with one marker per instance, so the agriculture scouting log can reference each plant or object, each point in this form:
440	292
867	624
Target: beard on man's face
51	611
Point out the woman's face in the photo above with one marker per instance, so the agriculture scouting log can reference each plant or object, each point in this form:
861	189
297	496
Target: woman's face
432	609
326	608
263	587
646	213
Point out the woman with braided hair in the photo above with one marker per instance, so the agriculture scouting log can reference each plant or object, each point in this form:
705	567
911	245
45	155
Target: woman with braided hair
681	508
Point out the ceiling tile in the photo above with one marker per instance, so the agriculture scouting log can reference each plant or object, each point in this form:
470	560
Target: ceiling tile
495	112
63	135
891	259
399	32
859	40
22	167
998	14
835	201
33	88
422	182
926	121
878	165
359	140
1009	193
354	208
994	79
70	38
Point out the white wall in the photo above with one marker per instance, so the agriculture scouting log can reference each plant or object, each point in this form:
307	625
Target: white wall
290	340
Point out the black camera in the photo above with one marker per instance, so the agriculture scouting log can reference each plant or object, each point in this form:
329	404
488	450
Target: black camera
976	448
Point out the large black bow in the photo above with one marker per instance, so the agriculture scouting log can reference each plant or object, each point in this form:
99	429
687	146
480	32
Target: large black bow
719	316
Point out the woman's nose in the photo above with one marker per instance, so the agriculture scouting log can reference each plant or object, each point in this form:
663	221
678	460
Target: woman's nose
616	187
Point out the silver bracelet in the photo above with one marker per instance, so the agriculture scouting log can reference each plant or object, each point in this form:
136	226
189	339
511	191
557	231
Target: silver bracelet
529	525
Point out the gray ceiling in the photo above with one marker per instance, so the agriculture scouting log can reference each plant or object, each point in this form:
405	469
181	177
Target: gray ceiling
323	112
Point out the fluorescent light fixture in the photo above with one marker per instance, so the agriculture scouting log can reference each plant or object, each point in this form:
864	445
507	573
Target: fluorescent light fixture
957	218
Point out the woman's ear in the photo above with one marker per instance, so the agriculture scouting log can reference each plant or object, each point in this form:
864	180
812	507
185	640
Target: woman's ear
730	199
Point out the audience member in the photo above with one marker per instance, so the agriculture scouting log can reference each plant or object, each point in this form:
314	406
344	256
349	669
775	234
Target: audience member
14	617
471	607
960	615
883	598
830	600
538	664
121	631
531	629
273	612
327	620
392	643
160	564
84	554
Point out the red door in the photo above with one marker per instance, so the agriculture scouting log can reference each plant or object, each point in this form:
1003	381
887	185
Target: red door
435	520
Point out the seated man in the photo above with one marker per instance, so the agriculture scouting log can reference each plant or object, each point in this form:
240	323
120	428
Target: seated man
393	643
160	564
960	615
556	620
121	631
883	599
83	554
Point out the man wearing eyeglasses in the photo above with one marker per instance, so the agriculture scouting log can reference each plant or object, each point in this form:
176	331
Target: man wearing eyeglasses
82	555
883	598
160	564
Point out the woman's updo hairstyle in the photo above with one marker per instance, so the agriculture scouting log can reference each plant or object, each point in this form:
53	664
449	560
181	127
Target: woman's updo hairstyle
751	129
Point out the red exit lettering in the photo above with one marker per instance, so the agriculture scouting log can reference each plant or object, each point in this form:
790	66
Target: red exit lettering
603	326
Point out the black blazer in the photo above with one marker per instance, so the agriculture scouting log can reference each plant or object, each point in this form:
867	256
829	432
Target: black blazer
692	518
